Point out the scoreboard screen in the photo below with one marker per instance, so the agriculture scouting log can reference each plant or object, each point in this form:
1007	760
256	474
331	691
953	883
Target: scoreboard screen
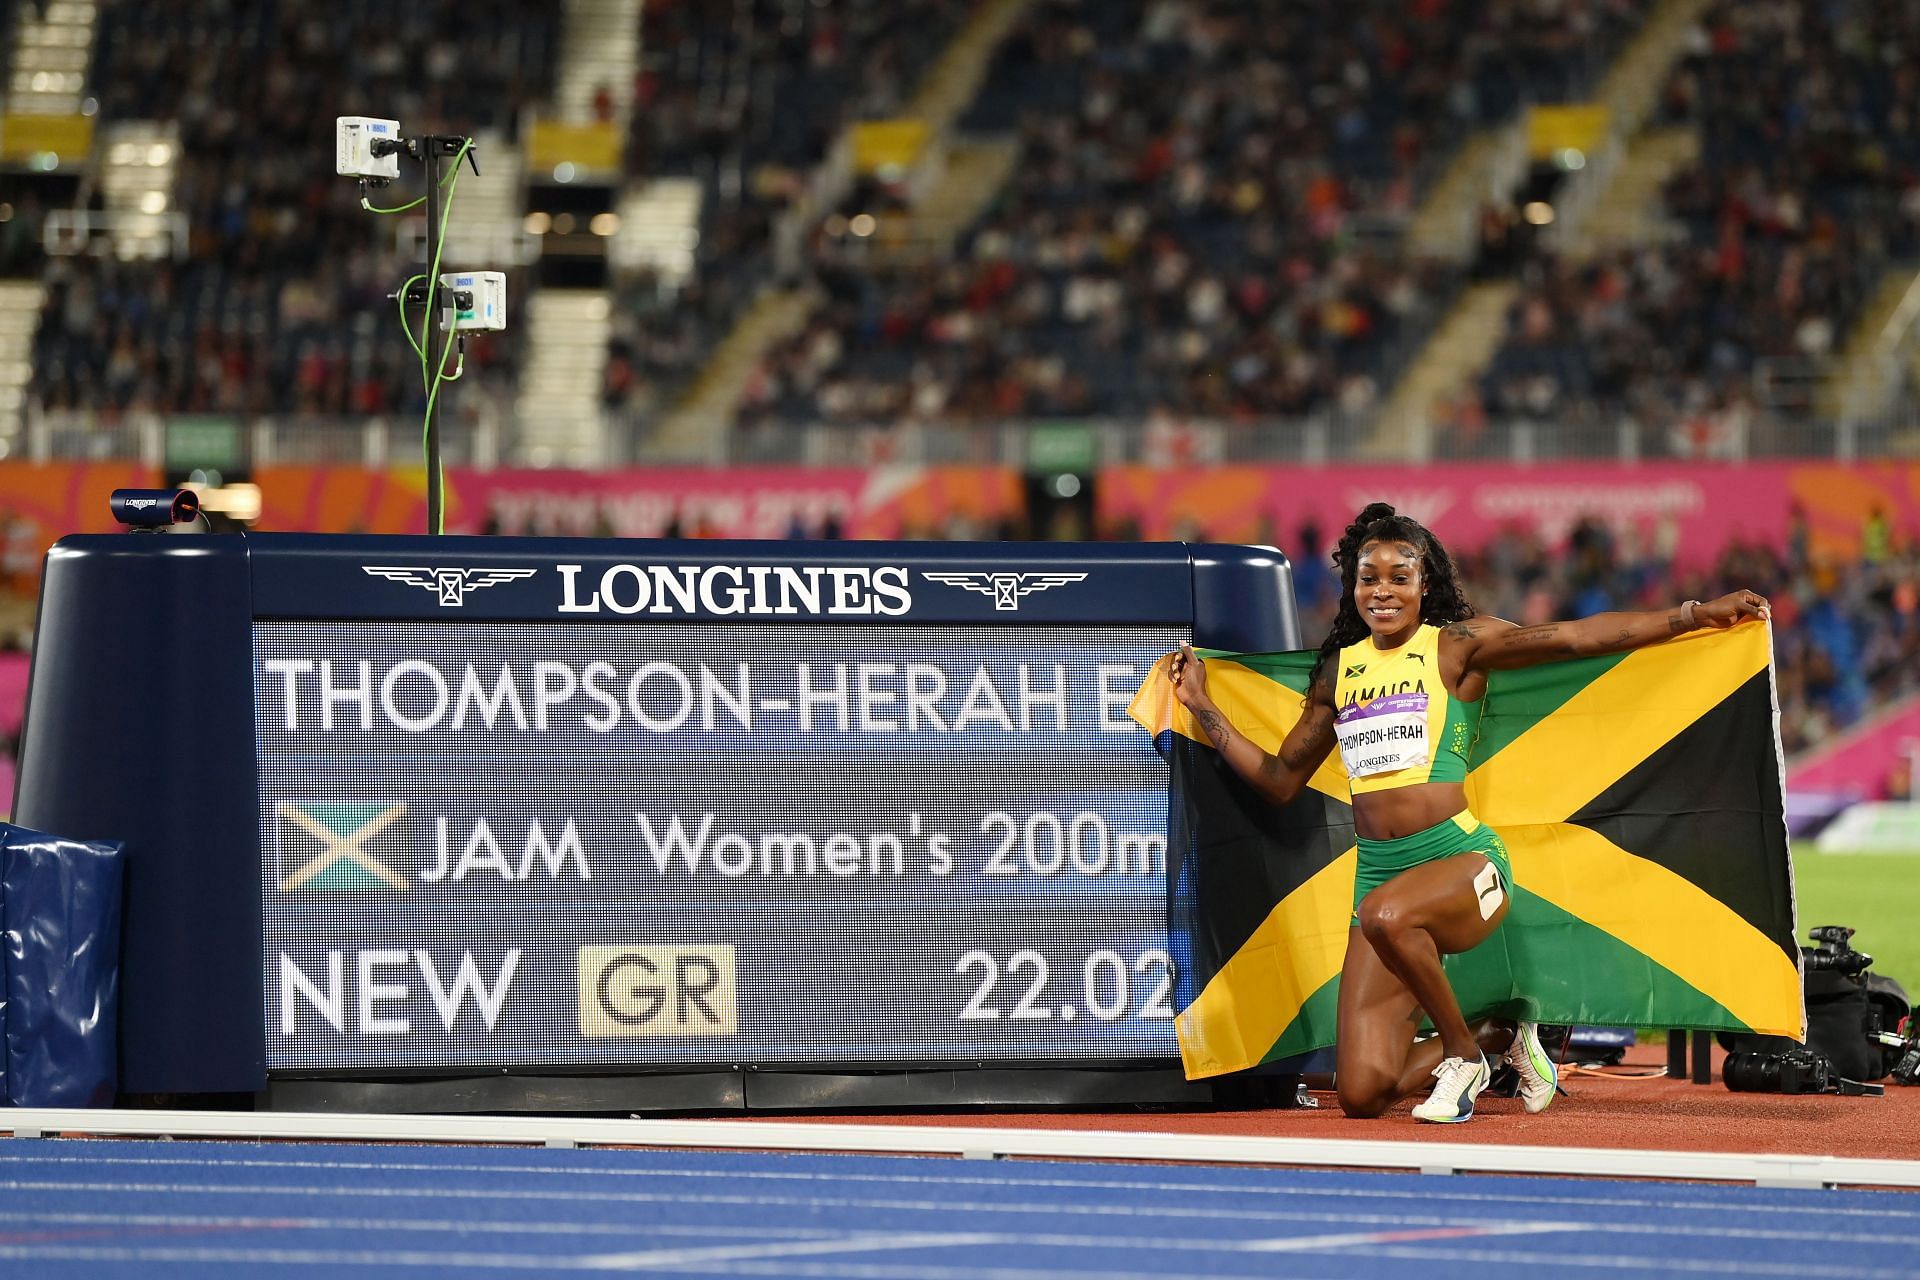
539	844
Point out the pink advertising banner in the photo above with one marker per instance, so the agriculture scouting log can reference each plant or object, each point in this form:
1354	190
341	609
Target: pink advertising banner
889	502
886	502
1701	505
1705	503
1858	763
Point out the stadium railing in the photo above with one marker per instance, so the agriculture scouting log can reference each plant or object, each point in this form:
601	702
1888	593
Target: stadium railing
478	431
480	434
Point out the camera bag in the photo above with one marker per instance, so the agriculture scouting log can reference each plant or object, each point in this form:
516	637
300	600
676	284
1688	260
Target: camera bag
1842	1015
1837	1013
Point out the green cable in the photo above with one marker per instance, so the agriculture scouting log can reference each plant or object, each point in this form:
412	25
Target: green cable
430	382
373	208
417	200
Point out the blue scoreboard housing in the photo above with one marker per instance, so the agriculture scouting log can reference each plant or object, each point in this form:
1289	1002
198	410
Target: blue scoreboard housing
493	823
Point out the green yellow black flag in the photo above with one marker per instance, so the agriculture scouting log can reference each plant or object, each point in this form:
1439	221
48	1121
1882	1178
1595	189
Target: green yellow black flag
1639	795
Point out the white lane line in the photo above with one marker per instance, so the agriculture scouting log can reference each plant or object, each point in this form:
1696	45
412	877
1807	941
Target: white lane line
1357	1239
1814	1206
423	1226
804	1202
494	1226
749	1259
337	1259
1638	1265
651	1258
810	1203
1408	1227
881	1271
1397	1229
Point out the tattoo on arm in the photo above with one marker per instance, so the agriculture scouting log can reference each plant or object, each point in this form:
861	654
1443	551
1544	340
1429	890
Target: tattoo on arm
1463	631
1301	755
1530	635
1676	625
1216	727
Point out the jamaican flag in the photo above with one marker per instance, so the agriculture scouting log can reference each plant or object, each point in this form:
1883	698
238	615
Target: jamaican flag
1639	795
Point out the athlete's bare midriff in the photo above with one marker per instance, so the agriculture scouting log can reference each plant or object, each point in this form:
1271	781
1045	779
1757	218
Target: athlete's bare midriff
1389	815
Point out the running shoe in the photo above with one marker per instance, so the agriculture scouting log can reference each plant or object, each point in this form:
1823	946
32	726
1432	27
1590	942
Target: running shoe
1459	1083
1539	1078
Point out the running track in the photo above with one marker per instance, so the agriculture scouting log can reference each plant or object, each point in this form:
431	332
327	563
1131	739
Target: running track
73	1207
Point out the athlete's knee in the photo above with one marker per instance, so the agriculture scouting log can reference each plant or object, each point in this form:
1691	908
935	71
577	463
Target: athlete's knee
1363	1095
1381	920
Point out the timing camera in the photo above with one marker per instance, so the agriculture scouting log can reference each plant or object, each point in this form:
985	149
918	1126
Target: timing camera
475	300
366	147
153	509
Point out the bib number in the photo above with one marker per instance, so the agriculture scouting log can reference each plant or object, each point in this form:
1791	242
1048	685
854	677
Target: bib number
1383	736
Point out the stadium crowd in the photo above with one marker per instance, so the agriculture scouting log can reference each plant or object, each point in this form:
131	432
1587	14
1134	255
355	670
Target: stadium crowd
1203	222
748	100
1203	218
1807	188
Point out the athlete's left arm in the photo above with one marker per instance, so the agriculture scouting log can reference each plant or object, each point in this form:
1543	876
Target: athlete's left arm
1489	644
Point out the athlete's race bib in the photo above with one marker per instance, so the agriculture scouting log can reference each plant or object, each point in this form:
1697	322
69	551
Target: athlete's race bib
1383	736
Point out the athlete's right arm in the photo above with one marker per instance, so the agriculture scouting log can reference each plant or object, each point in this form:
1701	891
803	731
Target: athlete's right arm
1278	776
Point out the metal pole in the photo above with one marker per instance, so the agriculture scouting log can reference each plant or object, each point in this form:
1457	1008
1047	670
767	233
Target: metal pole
430	145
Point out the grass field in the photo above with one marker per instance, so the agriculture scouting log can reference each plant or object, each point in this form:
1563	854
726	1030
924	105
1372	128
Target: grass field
1878	894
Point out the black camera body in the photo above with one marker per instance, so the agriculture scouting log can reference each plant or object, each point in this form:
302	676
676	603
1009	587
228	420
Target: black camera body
1834	951
1792	1070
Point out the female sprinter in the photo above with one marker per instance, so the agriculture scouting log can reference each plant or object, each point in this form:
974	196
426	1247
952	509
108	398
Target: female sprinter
1398	685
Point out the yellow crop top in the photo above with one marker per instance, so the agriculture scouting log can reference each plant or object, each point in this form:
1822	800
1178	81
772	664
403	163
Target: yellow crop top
1396	722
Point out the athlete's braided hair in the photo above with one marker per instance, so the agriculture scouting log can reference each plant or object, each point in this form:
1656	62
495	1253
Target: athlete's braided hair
1444	601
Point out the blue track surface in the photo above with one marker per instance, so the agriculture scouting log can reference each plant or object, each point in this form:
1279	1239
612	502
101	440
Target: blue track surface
165	1209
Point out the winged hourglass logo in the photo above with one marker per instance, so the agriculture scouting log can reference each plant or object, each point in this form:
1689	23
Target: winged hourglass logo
451	585
1005	588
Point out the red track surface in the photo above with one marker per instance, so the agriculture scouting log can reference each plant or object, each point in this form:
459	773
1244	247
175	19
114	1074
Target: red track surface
1613	1108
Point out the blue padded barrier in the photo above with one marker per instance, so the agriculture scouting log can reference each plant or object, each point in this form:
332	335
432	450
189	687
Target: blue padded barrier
60	968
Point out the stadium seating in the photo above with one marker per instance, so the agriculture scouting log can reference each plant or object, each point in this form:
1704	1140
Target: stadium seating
1782	231
1204	218
749	101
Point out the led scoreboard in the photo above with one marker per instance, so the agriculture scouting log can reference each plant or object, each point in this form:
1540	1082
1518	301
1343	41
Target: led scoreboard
509	817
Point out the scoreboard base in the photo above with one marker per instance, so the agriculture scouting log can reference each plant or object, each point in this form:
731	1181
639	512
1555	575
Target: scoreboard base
726	1090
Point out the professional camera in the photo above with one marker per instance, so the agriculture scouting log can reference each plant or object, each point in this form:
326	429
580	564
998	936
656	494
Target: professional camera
1834	951
1792	1070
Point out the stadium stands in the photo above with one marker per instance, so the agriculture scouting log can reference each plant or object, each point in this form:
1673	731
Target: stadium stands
1204	218
1803	195
748	99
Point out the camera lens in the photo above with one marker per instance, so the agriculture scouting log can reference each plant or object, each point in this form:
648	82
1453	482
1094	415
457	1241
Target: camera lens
1751	1072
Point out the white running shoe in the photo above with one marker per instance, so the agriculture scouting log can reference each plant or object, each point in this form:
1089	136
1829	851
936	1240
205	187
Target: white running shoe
1539	1077
1459	1083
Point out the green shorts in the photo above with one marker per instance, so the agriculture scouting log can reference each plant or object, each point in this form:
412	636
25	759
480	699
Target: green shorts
1382	860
